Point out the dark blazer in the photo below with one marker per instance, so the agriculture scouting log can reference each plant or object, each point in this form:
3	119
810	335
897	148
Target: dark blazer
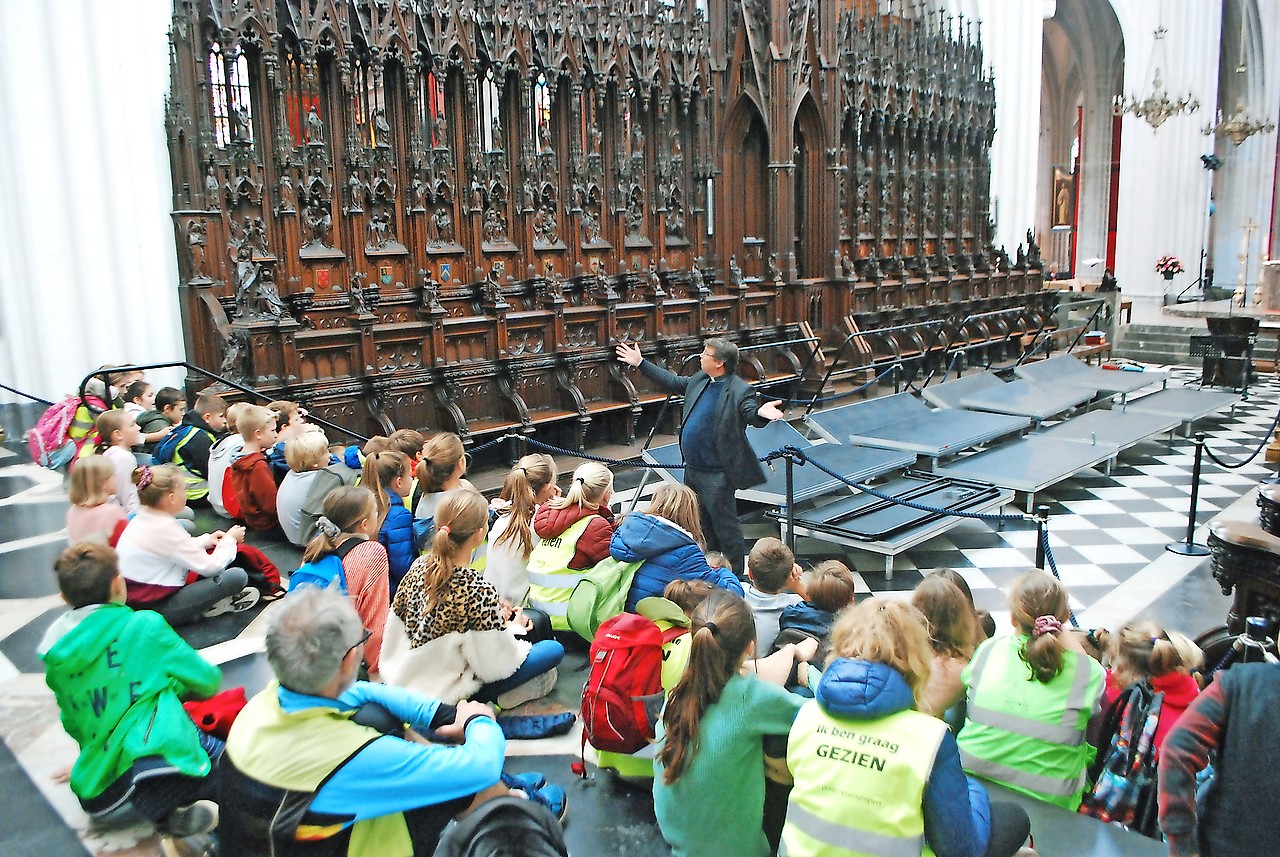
737	410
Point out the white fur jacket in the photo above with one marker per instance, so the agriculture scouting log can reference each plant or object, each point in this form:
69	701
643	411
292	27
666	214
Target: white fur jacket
452	667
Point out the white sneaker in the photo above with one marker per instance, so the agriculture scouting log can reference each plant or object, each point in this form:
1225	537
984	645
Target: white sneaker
243	600
535	688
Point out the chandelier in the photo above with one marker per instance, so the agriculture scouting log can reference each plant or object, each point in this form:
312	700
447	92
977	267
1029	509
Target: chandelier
1239	126
1158	106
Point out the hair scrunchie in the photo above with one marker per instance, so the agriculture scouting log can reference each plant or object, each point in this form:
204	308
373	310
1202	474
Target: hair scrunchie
144	477
1046	625
711	626
328	528
444	528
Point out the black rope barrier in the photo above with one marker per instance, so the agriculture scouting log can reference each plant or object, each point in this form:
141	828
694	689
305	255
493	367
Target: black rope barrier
1053	567
1261	446
26	395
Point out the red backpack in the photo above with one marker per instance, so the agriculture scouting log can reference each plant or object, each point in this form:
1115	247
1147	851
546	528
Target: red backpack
625	682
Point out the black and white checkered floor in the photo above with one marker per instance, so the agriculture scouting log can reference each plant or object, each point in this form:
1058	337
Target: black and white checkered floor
1108	534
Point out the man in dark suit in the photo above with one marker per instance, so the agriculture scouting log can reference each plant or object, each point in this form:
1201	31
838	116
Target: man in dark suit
718	407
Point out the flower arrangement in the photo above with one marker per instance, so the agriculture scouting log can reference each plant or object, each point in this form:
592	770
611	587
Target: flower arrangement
1169	265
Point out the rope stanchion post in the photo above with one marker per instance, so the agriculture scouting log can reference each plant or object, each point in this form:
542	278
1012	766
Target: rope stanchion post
791	502
1042	522
1188	547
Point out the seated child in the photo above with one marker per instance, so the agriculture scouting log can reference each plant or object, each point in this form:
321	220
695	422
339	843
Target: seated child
413	446
291	422
137	744
188	445
829	588
773	583
157	553
953	635
1143	651
250	475
326	480
92	517
306	454
573	535
139	399
117	435
389	475
167	410
221	457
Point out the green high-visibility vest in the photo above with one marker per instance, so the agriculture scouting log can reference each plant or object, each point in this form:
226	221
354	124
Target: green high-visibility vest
859	784
551	581
1025	734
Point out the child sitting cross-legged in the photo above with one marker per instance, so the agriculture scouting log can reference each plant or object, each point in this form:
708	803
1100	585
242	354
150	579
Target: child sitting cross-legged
389	475
157	553
93	516
773	585
138	747
223	454
118	433
250	476
448	633
573	535
307	454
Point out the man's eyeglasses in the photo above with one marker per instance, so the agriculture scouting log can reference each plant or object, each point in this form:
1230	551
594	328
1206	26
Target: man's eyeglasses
360	642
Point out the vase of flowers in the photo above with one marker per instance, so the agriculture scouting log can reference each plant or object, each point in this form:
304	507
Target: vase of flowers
1168	266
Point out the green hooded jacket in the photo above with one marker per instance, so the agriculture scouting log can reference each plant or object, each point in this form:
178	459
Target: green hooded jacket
119	678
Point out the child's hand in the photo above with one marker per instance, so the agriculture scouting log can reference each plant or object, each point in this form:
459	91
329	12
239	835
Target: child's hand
159	433
807	650
236	532
795	582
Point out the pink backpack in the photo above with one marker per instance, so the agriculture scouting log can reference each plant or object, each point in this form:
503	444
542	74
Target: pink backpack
51	442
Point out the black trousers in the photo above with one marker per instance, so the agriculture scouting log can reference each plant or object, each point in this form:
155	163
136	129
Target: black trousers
718	505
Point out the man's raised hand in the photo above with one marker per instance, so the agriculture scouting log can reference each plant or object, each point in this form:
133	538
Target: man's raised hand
771	410
629	353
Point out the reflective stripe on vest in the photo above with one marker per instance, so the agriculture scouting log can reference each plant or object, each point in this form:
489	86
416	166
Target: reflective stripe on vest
551	581
859	785
1025	733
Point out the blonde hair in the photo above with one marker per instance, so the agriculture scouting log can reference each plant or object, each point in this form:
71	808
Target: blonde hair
107	424
1143	650
1031	596
886	632
308	451
164	479
591	482
380	470
953	625
440	461
88	481
344	508
526	480
458	517
233	416
679	505
253	419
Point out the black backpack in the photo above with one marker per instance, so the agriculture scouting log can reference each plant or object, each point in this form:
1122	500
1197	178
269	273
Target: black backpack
505	827
1123	777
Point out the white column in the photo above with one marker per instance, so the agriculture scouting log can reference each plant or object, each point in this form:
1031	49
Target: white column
88	267
1162	184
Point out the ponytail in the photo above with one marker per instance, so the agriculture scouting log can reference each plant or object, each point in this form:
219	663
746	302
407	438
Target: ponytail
526	480
591	482
1142	650
722	630
380	470
458	518
344	508
1038	607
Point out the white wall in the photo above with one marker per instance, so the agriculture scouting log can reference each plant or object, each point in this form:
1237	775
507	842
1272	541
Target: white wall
88	268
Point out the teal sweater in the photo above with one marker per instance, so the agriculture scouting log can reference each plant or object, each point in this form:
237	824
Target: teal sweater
717	807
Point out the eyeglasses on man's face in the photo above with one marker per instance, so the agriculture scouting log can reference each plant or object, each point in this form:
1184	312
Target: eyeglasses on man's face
364	638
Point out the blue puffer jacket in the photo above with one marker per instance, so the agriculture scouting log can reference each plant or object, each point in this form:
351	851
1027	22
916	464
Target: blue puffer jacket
668	552
396	536
957	812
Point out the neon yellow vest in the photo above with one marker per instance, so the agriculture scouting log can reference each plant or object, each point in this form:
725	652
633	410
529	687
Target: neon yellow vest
551	581
1025	734
197	487
299	752
859	784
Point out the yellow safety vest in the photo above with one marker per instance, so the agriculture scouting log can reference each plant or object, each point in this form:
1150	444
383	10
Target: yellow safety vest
1025	734
551	581
297	753
859	784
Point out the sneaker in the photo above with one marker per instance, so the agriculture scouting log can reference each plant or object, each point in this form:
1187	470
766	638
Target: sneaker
243	600
553	798
527	782
190	820
529	727
535	688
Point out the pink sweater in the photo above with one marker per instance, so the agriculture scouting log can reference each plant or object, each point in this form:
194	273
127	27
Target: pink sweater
93	523
156	553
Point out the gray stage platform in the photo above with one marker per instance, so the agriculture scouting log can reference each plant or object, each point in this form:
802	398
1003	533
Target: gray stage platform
905	423
856	463
1070	371
1185	403
1122	427
1030	463
985	392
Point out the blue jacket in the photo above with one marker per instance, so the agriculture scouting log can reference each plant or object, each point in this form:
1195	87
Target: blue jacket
668	552
957	812
807	619
396	536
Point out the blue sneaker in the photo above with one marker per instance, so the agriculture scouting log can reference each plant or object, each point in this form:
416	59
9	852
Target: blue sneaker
553	798
528	782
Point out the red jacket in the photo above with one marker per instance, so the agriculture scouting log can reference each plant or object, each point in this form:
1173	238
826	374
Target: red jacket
593	546
1179	689
250	478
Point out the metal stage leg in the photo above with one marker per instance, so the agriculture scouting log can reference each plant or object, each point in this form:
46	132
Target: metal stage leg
888	566
1031	501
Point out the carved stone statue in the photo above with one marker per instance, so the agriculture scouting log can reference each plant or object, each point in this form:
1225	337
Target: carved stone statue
197	243
319	221
654	281
697	282
355	192
590	227
675	222
555	284
530	196
418	194
242	128
357	300
846	267
441	132
604	287
315	127
382	130
211	189
635	215
379	230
